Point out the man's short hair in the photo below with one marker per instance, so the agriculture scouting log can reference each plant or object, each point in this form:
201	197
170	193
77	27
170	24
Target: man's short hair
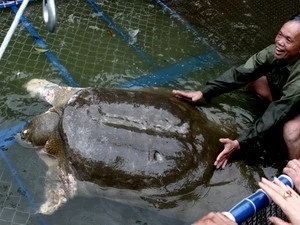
295	17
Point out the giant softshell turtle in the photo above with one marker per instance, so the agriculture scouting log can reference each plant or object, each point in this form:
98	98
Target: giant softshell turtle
125	139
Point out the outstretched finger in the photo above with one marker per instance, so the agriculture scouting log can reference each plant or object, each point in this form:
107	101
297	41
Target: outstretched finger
220	163
272	189
224	163
222	156
278	192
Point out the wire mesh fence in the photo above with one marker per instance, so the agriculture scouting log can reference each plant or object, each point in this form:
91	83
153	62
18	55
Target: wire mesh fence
236	28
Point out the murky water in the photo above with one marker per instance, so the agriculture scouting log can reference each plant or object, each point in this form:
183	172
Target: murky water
98	54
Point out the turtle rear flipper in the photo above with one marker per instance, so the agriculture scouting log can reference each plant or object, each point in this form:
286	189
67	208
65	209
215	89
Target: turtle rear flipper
55	199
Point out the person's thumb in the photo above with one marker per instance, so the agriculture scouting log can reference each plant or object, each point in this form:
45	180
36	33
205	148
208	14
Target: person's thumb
223	140
276	221
195	98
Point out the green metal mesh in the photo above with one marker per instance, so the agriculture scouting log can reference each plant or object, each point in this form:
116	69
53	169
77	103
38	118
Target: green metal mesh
236	28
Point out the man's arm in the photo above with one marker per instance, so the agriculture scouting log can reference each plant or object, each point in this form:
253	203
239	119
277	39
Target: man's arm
237	77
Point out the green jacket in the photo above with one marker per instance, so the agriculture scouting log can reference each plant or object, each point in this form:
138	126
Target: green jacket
284	82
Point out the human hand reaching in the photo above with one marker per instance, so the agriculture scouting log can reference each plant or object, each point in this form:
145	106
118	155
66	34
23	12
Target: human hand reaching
285	197
230	146
194	96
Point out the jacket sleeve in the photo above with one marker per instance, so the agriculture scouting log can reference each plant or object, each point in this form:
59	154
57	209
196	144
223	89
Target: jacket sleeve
237	77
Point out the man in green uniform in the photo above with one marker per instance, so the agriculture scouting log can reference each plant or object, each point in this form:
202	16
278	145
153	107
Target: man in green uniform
274	75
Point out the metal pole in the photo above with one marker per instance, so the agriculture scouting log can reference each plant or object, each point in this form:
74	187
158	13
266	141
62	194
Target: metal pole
13	27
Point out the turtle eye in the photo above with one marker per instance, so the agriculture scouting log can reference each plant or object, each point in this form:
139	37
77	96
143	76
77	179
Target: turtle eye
24	133
155	156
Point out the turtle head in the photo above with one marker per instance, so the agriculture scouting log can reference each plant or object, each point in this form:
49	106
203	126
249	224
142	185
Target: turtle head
42	88
52	93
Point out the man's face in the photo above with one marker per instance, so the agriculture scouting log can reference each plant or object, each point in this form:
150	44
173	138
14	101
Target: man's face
287	41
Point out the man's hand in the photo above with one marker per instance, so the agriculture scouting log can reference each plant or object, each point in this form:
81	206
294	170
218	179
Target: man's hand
194	96
230	146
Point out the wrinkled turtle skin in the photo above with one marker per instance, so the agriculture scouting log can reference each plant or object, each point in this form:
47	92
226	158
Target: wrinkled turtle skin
133	139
